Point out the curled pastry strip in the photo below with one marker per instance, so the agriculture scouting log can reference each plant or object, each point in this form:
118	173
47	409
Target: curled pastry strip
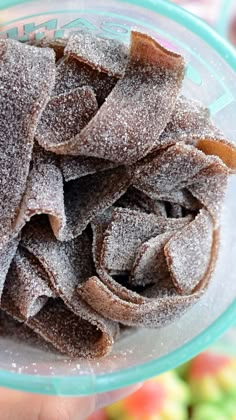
127	126
27	76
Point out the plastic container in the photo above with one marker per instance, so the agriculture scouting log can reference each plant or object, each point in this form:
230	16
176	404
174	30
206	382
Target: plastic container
227	23
210	77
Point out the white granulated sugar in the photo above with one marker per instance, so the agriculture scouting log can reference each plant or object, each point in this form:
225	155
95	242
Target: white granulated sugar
74	167
28	284
72	74
190	120
7	253
149	313
150	264
189	251
128	230
171	169
181	197
139	107
68	264
112	185
209	188
106	55
27	77
44	194
90	195
137	200
64	117
58	45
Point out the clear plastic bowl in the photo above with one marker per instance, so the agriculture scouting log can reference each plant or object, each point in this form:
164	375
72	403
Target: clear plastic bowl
210	78
227	23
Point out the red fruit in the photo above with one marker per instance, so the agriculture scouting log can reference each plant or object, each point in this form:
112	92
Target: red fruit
98	415
148	400
207	364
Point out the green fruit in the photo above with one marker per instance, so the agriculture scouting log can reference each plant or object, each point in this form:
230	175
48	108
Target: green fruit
208	412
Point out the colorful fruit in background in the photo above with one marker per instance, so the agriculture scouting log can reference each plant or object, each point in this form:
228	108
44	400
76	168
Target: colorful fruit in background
212	382
202	389
212	378
162	398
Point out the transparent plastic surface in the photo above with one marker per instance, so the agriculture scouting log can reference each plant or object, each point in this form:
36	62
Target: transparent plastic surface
210	78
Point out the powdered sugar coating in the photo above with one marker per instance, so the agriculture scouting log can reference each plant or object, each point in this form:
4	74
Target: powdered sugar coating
27	284
126	126
128	230
72	74
150	264
64	117
7	252
188	253
75	167
27	76
105	55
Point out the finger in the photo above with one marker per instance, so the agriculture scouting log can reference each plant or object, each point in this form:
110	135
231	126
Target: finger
18	405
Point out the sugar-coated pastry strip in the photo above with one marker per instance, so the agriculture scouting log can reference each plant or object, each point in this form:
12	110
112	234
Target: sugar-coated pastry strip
191	123
57	44
74	167
27	76
28	284
159	305
105	55
64	117
150	264
68	264
71	207
7	253
136	112
150	313
19	332
99	226
62	329
127	231
188	253
135	199
72	74
170	169
209	187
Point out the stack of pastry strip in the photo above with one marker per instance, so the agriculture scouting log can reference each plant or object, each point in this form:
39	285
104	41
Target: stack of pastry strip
112	185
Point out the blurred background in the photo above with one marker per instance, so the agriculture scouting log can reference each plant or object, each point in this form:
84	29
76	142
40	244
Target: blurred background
205	387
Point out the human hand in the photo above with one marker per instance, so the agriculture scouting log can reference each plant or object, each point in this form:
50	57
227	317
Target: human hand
17	405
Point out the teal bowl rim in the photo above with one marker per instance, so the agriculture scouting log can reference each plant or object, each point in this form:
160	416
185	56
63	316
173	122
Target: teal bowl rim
88	384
